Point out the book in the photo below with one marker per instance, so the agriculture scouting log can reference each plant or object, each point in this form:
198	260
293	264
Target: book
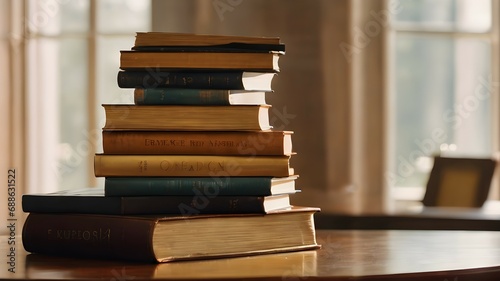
186	117
221	80
94	201
144	39
265	62
169	238
191	186
249	143
106	165
169	96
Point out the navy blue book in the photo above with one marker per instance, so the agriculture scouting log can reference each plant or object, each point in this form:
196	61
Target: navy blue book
93	201
192	186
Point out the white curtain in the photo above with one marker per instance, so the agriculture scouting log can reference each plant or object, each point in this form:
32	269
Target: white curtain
11	112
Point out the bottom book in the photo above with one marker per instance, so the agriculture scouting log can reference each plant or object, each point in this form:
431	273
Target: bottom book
169	238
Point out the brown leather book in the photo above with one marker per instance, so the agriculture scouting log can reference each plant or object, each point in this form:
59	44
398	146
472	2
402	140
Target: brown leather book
245	143
265	62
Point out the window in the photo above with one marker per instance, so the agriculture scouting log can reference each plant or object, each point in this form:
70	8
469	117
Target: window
442	82
72	62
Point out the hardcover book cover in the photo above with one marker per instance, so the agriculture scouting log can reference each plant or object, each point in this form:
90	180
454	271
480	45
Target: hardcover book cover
191	186
160	238
93	201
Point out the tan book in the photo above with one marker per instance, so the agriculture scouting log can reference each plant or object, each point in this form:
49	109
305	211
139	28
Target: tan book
191	166
187	39
186	118
169	238
265	62
247	143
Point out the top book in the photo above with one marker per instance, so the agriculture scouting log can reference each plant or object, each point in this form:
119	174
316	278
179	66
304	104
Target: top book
144	40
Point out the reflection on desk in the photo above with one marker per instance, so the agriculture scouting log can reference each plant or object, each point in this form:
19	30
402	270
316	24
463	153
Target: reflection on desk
366	255
292	264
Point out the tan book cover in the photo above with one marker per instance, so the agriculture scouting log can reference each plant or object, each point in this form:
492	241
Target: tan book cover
191	166
186	118
265	62
244	143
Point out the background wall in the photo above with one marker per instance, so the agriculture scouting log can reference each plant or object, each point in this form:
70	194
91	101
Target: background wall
314	92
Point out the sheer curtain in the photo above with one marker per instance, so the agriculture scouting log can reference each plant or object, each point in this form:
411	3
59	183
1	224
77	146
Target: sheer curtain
58	62
11	112
73	56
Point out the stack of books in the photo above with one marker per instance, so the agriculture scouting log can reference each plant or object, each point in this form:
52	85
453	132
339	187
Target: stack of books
192	169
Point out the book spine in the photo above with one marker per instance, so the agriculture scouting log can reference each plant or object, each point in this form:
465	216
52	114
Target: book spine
158	96
190	166
193	205
89	236
199	143
156	78
208	203
228	47
187	186
187	118
179	39
134	60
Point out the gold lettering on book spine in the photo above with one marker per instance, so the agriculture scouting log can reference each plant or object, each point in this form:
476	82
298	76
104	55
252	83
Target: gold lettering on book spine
94	235
164	142
221	143
188	166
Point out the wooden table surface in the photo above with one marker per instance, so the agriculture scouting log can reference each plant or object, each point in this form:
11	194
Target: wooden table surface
416	216
362	254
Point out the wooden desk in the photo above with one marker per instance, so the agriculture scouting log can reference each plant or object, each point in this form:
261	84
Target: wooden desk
363	254
418	217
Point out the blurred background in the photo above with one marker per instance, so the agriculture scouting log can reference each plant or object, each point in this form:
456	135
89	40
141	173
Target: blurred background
372	89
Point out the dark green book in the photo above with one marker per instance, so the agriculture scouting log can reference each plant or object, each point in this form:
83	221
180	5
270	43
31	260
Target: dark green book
174	96
93	201
192	186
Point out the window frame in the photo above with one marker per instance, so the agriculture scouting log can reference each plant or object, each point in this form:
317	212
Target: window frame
412	194
43	177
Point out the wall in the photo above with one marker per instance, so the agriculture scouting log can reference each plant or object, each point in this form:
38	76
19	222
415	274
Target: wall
314	89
